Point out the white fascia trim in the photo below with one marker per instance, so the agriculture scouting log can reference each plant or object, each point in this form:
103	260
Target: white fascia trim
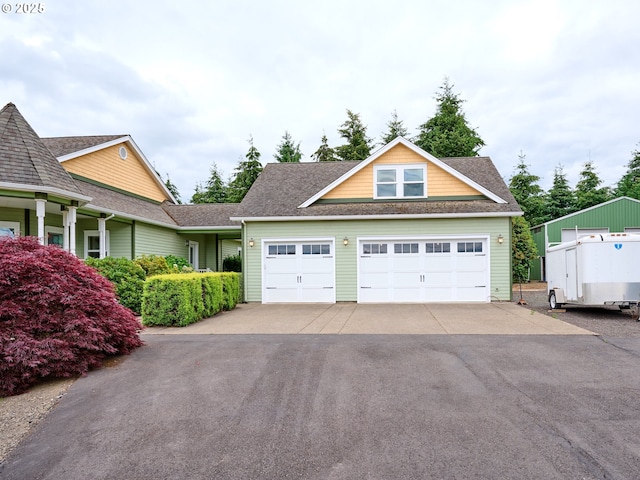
376	217
585	210
415	149
21	187
129	141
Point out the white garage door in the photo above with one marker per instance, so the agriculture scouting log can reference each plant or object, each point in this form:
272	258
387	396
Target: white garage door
418	271
298	271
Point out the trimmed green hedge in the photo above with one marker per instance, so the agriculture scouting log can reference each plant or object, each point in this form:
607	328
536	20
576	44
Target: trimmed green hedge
182	299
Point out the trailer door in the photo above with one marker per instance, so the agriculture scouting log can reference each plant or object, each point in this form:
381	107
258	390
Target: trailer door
572	274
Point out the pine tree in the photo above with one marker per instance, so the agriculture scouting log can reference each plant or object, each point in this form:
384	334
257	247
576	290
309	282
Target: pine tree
629	184
358	146
246	173
587	193
447	134
173	189
395	129
324	153
529	195
288	151
560	200
215	190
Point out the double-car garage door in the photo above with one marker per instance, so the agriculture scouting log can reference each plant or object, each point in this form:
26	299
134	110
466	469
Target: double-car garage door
388	270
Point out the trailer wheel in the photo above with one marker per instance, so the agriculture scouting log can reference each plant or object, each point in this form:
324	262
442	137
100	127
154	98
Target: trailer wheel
552	301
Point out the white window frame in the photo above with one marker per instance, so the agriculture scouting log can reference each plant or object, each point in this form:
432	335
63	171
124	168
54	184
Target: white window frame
56	230
15	226
399	182
95	233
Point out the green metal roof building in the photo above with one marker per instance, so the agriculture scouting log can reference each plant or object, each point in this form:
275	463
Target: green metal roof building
620	215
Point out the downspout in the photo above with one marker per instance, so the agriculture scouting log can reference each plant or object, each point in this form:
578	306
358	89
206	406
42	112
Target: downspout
245	252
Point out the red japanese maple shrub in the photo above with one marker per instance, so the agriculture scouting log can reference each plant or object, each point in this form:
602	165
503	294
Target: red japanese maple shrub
58	316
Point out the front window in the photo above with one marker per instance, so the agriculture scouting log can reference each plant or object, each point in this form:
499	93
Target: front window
92	244
400	181
54	236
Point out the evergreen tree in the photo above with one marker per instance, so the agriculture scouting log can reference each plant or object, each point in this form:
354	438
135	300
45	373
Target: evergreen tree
560	199
447	134
324	153
629	184
246	173
173	189
529	195
587	193
288	151
215	190
358	146
395	128
523	251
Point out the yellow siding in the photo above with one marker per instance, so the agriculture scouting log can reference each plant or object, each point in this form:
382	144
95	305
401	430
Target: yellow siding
439	182
106	166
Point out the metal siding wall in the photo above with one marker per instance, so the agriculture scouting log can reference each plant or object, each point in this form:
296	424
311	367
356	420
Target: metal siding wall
615	215
346	257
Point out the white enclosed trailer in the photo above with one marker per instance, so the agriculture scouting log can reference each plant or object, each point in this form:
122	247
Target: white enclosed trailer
596	270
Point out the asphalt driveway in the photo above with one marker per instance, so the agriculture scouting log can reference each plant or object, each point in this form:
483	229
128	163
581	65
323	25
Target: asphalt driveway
348	407
496	318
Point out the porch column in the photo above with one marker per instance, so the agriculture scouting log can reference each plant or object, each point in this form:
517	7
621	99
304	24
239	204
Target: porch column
71	219
102	234
40	209
65	230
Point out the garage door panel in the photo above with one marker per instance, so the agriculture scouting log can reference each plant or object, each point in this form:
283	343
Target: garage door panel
438	270
299	271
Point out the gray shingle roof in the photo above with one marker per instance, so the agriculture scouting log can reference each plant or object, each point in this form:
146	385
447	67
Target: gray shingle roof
282	187
24	158
203	215
60	146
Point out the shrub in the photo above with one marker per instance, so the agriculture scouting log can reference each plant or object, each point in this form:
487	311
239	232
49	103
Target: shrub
58	316
127	276
230	289
232	263
179	300
153	264
178	264
172	300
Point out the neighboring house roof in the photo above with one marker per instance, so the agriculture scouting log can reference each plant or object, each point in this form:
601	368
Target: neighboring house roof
580	212
27	162
61	146
203	215
282	189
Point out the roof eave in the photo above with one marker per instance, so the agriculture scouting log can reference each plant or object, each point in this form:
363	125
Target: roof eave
22	187
391	216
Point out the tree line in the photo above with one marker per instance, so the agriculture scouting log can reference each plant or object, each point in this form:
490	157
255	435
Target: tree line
560	200
446	134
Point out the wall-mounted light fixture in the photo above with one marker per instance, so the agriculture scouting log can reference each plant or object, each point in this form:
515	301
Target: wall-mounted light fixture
500	239
345	241
186	243
251	242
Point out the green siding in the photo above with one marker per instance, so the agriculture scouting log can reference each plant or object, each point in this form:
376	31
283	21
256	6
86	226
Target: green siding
346	257
229	248
154	240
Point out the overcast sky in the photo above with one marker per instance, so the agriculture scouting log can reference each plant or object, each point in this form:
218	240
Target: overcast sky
191	81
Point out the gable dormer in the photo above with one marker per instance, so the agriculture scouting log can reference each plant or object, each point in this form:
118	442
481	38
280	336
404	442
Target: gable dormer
401	171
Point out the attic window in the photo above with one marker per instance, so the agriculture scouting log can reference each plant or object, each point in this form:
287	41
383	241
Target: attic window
399	181
123	153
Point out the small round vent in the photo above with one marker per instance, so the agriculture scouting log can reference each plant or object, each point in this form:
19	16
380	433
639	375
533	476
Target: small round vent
123	153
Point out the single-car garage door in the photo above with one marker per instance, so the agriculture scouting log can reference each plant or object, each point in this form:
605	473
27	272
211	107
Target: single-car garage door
423	270
298	271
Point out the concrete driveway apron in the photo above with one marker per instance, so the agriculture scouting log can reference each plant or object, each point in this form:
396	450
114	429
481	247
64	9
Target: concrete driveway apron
351	318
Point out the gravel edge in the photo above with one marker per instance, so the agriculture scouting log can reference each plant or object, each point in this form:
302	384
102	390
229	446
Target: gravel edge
20	414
